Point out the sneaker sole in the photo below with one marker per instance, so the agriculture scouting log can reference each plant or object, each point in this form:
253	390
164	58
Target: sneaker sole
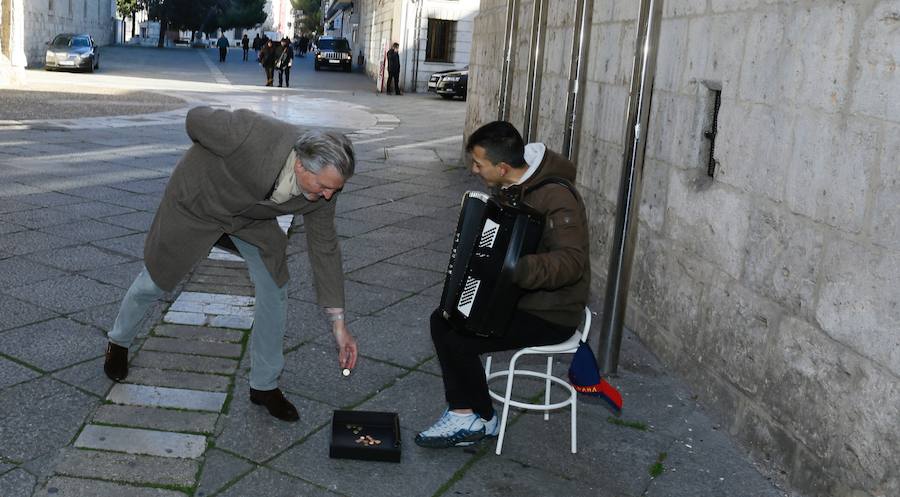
446	443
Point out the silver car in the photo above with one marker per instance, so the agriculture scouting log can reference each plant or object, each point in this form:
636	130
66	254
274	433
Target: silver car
72	51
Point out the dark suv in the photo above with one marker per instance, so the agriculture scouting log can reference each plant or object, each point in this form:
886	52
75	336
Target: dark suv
333	52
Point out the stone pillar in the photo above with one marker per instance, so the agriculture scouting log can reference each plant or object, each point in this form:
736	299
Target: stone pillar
12	42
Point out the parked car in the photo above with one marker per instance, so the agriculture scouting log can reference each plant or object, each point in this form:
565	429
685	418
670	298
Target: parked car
453	84
333	52
436	76
72	51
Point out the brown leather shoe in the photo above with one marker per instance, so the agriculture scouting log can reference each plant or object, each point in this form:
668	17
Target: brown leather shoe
275	402
116	364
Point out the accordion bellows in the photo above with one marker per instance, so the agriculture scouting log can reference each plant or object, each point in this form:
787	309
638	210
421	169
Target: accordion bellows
479	296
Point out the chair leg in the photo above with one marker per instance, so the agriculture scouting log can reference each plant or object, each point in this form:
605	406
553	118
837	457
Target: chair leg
574	424
487	366
547	386
506	397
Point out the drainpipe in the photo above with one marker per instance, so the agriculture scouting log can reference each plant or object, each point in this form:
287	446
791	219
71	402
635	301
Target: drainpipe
627	209
535	66
584	11
512	21
418	43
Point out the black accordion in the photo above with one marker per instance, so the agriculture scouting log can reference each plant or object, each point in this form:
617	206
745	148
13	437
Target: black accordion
479	296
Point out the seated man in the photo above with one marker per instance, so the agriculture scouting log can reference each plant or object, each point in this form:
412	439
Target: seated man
243	170
556	279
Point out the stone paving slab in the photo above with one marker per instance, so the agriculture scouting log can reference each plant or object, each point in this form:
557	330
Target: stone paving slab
17	313
55	407
62	486
212	349
88	376
120	275
140	441
12	373
250	432
16	483
127	468
175	398
155	418
53	344
203	334
701	462
493	476
82	258
131	245
398	277
420	473
87	230
393	342
313	370
273	484
219	470
185	362
178	379
67	294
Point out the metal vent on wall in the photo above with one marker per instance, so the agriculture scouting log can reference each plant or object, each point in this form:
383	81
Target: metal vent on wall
713	103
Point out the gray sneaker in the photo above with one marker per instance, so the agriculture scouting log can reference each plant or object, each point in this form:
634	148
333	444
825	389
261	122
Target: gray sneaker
453	430
492	426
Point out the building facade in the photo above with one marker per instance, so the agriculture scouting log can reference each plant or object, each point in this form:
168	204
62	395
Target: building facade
772	286
27	26
434	35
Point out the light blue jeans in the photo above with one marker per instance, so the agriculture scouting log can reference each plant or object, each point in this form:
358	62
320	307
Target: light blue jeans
269	317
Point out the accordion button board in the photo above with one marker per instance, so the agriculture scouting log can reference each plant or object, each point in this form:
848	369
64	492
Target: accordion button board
479	296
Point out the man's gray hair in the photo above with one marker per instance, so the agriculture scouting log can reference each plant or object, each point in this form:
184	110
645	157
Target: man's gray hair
317	149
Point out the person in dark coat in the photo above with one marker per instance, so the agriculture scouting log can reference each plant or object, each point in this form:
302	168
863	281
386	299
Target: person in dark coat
245	44
556	279
223	47
267	57
257	44
284	61
393	59
242	171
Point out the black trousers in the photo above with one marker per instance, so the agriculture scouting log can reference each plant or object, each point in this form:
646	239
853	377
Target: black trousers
286	74
395	77
465	385
245	54
270	74
222	53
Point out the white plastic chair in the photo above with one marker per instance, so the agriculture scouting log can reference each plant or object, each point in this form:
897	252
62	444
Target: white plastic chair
567	347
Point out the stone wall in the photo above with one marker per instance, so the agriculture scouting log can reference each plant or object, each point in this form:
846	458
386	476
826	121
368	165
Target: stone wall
45	19
772	288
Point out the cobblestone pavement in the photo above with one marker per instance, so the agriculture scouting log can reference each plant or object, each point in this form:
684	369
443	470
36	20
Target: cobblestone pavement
76	198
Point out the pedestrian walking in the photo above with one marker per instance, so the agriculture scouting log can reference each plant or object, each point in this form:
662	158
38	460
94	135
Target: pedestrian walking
223	47
257	44
393	58
245	44
242	171
267	57
304	45
284	61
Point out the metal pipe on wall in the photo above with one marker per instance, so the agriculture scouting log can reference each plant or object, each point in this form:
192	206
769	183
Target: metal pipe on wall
512	21
627	209
535	68
577	71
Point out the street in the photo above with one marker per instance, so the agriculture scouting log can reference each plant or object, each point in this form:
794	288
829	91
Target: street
84	159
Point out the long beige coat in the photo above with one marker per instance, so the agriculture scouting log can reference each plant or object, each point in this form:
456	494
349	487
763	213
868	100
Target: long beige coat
220	186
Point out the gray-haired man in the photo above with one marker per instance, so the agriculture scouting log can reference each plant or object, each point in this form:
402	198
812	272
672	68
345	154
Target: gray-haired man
243	170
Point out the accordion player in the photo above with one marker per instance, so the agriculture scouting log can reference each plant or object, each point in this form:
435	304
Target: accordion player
479	296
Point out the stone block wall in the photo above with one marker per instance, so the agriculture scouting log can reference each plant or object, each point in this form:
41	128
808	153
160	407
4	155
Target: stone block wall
774	287
45	19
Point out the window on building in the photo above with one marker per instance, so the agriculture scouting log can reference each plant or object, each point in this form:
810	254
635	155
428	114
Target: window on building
439	47
71	8
85	9
50	5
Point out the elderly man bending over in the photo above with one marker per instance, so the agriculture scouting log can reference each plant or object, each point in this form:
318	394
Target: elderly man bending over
243	170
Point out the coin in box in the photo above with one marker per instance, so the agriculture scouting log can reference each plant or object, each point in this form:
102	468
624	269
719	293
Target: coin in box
365	435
